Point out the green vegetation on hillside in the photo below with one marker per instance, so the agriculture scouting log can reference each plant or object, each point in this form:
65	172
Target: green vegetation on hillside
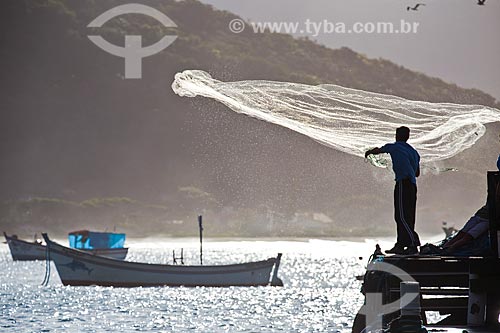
58	217
206	42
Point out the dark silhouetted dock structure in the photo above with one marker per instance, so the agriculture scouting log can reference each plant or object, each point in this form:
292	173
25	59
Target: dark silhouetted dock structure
464	289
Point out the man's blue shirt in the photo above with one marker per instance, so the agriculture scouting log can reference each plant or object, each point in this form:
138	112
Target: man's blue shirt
405	160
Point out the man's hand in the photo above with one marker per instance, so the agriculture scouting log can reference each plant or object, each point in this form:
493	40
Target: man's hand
373	151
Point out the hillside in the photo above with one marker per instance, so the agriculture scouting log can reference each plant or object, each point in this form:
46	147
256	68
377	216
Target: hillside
72	128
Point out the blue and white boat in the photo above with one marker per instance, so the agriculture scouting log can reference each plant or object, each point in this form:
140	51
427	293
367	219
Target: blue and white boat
77	268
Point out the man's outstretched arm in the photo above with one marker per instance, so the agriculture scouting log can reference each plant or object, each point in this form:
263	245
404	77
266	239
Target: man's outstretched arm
374	151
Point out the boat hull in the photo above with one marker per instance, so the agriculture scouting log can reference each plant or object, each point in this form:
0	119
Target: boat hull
77	268
22	250
119	254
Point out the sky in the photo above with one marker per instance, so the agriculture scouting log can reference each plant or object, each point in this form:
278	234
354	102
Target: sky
456	40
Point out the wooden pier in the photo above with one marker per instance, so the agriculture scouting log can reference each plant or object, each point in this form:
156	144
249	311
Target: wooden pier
464	289
446	284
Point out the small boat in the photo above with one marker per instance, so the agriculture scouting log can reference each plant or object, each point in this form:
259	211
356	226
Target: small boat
77	268
24	250
104	244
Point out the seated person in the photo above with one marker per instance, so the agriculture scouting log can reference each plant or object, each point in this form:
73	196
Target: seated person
471	238
473	229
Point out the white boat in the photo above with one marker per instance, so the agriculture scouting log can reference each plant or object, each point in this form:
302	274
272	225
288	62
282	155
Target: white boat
78	268
118	254
24	250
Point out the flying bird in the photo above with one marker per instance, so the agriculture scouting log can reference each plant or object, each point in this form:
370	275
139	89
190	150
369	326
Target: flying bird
422	4
481	2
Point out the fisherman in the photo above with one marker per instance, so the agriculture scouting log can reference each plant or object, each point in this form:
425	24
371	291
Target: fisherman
406	166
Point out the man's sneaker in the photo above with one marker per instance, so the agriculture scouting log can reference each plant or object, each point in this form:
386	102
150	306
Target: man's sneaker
397	249
411	250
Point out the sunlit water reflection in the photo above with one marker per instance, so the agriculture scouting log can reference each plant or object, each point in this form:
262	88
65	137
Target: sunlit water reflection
320	294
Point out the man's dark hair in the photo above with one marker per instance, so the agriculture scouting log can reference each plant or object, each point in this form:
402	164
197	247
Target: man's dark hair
402	133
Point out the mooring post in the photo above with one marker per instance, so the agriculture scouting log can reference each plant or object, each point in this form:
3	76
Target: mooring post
200	225
494	211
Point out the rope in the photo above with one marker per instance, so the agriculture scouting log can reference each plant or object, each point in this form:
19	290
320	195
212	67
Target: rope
46	278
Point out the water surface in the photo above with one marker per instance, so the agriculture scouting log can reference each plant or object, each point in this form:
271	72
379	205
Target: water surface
320	294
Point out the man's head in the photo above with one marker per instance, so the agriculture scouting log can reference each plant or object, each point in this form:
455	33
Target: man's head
402	133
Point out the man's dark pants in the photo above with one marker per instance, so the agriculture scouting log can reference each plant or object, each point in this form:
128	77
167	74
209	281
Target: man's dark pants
405	203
